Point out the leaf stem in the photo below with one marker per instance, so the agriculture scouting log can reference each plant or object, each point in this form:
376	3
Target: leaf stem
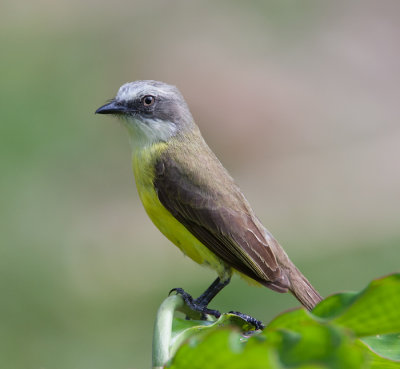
163	329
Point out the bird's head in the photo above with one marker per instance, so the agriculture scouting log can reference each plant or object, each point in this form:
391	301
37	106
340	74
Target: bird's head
151	110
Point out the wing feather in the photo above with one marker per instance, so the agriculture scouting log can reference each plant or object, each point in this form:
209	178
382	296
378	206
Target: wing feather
219	217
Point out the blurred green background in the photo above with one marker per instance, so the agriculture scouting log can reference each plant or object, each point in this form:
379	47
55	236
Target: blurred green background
300	100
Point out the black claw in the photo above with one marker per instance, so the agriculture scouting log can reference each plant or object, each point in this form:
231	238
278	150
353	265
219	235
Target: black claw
249	319
193	305
180	291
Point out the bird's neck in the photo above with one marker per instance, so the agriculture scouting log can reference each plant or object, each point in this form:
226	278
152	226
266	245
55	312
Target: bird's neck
143	134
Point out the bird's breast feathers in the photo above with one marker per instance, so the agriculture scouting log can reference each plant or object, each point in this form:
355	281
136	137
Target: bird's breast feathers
144	170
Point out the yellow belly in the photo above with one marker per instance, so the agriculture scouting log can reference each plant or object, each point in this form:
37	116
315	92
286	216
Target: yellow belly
143	168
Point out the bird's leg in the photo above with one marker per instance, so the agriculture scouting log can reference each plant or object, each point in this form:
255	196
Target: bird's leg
205	298
200	304
213	290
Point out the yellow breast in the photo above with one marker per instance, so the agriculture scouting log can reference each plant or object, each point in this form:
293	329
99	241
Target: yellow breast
143	168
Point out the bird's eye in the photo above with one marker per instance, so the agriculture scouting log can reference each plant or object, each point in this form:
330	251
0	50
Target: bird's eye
148	100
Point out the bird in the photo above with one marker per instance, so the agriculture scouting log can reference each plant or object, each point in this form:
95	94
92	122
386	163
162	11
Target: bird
193	200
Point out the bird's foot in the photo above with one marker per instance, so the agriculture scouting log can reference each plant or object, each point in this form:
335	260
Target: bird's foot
194	305
249	319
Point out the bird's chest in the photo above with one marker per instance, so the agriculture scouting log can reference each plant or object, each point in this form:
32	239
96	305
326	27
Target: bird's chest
144	171
143	168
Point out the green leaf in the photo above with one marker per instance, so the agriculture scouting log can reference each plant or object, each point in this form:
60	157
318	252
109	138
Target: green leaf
335	305
373	311
327	337
314	346
182	329
222	348
386	346
291	319
170	332
316	343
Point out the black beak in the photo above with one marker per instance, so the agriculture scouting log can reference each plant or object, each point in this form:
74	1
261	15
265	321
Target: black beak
112	108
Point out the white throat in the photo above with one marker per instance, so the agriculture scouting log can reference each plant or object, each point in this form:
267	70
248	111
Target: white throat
145	132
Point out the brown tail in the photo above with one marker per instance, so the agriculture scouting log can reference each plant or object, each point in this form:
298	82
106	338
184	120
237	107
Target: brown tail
302	289
291	278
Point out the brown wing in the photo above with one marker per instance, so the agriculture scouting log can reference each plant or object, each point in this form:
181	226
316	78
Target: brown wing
218	217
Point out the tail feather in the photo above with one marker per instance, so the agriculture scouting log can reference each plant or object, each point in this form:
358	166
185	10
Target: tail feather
291	279
302	289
